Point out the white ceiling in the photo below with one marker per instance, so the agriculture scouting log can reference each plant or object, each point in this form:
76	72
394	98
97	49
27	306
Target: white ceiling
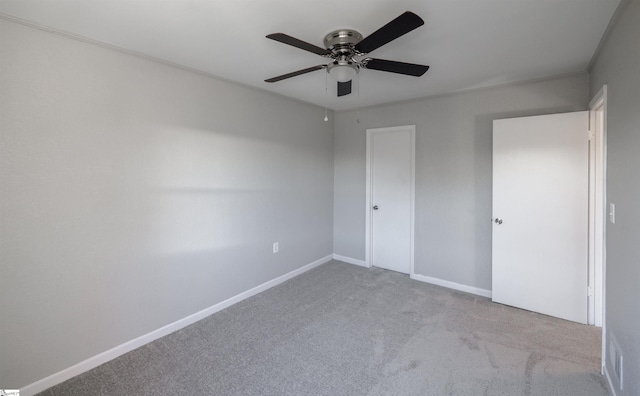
467	43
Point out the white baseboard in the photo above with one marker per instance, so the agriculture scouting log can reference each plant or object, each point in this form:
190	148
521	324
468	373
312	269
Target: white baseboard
612	389
423	278
128	346
452	285
350	260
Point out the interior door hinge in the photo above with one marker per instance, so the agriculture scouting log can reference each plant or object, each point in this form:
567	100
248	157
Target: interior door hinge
592	135
590	291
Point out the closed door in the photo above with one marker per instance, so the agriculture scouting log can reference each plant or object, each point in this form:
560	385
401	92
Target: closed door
391	153
540	214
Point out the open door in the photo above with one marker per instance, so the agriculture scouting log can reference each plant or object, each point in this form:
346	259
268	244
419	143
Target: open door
540	214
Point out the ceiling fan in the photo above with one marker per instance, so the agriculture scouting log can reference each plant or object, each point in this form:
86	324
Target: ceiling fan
342	46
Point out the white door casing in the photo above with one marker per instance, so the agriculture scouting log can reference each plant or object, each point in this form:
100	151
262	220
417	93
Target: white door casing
598	194
390	189
540	193
597	210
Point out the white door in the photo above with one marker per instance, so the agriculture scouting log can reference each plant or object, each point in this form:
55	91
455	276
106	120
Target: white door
390	204
540	209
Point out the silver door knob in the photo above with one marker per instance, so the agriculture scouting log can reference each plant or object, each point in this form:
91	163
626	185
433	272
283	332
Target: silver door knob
375	207
498	221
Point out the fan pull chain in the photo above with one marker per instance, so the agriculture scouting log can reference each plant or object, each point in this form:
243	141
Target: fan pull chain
326	97
359	101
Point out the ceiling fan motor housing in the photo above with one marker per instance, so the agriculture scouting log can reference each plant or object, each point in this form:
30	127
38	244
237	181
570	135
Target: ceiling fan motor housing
342	42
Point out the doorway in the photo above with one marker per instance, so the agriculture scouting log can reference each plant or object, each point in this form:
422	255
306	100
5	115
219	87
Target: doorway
390	207
596	211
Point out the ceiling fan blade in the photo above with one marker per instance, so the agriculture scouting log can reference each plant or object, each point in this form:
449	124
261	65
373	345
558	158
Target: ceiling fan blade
389	32
344	88
409	69
286	39
295	73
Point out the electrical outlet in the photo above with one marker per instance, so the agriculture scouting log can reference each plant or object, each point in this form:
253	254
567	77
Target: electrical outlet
276	247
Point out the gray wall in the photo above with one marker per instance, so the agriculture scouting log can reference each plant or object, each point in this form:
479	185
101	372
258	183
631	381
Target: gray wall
453	171
618	66
134	194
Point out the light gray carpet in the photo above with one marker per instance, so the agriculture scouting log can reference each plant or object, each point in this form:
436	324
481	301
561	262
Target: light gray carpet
344	330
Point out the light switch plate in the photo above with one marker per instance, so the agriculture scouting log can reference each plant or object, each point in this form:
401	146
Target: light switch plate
612	213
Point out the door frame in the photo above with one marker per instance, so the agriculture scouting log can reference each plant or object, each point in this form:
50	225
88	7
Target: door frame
597	202
411	129
597	213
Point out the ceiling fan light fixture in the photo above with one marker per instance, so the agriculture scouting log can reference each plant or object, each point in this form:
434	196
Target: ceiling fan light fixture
343	73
